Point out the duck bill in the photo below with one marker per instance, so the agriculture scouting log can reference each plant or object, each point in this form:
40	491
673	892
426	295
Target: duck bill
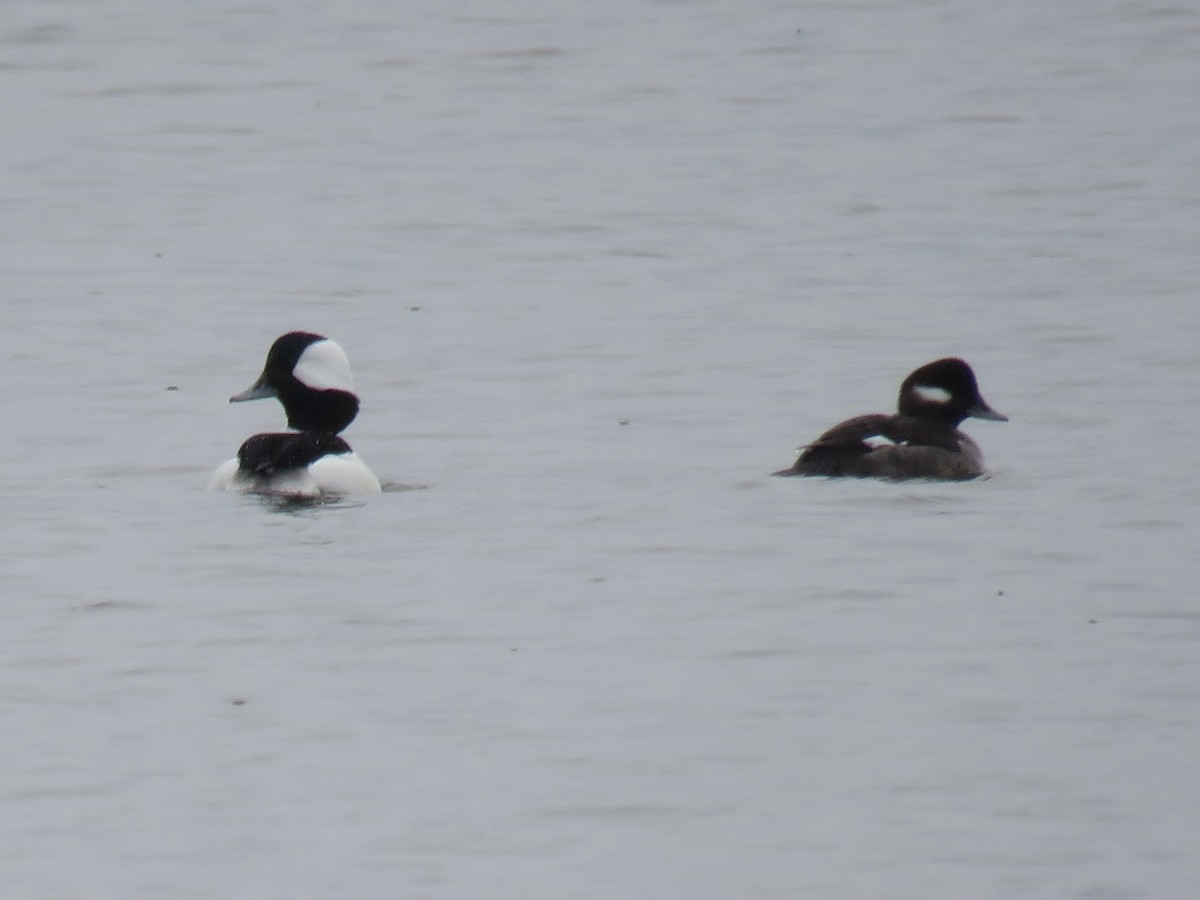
260	390
982	411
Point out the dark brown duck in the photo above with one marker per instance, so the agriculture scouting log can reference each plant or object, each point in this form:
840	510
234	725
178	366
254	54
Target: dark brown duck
921	441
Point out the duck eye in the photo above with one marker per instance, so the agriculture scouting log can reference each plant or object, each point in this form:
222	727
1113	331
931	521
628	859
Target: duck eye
931	394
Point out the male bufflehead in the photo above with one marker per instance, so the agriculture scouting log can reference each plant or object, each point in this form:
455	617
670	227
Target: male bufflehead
310	376
922	441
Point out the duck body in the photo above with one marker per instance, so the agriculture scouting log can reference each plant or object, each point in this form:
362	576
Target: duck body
310	376
921	441
297	464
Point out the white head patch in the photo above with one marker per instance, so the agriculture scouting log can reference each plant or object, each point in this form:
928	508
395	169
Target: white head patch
323	366
931	394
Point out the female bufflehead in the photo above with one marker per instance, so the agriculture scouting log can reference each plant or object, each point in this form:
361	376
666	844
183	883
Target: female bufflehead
310	376
922	441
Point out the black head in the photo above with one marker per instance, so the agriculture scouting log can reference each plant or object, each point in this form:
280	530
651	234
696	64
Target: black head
310	376
286	352
944	391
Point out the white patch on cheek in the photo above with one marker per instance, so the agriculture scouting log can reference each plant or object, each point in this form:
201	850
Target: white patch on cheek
323	366
931	394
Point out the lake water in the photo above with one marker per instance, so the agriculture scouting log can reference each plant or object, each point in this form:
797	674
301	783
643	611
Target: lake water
599	268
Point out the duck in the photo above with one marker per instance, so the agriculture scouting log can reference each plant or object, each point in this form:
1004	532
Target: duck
921	441
309	374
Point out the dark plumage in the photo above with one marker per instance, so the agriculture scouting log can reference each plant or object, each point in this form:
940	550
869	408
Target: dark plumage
265	455
921	441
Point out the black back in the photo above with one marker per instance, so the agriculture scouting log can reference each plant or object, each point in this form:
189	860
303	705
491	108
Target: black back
264	455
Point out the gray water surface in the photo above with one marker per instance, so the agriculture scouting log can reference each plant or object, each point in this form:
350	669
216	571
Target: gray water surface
600	268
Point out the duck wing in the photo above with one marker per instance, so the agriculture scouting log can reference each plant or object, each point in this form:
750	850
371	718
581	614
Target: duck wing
859	433
873	431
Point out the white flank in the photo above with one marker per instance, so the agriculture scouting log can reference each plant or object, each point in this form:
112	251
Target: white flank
344	473
340	473
221	478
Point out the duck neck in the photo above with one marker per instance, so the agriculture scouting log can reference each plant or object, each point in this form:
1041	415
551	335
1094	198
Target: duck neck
327	411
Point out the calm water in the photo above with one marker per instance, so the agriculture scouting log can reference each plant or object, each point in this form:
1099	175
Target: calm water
599	268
